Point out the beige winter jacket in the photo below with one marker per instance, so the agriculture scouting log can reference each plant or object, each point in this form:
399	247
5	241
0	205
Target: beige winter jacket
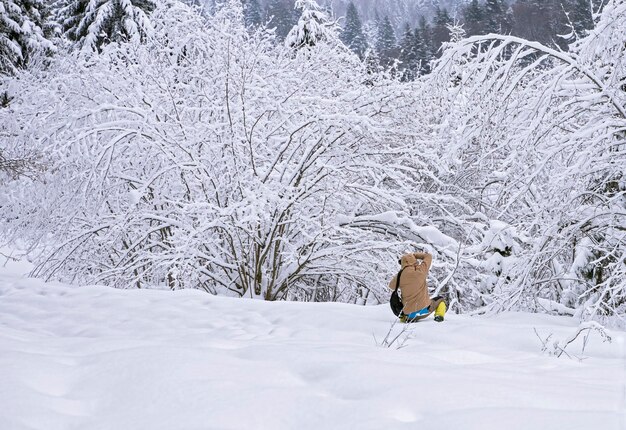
413	281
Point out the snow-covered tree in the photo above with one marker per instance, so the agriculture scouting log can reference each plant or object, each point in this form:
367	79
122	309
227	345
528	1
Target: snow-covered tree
211	158
579	16
252	13
539	135
496	17
24	32
440	31
386	40
409	63
280	18
352	34
473	18
424	43
314	26
539	20
93	23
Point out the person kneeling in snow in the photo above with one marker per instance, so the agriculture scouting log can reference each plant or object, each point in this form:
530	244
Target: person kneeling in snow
417	304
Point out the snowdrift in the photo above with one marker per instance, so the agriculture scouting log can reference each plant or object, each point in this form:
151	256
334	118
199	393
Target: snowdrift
98	358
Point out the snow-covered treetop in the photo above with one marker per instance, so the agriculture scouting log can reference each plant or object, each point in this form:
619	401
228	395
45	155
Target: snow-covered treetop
24	28
315	25
93	23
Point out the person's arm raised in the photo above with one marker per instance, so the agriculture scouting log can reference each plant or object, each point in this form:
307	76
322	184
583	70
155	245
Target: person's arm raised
427	259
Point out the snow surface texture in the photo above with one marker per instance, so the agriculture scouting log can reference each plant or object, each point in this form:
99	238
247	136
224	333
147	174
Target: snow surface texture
100	358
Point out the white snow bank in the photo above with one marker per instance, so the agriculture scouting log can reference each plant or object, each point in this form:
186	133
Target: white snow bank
98	358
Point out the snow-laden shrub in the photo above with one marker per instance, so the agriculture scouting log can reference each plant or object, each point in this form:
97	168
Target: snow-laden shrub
539	135
211	158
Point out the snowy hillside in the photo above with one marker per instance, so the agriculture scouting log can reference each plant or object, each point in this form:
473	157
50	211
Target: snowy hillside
101	358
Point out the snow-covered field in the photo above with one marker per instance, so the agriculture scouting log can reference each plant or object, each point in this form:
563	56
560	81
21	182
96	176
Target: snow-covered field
99	358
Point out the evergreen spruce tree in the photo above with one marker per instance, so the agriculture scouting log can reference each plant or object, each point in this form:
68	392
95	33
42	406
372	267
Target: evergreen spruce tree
24	29
422	53
377	19
386	41
408	55
457	32
442	17
494	15
473	18
536	20
425	53
372	65
440	31
352	35
279	17
371	29
580	16
94	23
252	13
509	21
314	26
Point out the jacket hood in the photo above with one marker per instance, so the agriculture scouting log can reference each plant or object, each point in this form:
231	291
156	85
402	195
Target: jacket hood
408	260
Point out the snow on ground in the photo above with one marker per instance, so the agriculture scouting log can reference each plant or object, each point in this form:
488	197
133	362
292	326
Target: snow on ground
98	358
